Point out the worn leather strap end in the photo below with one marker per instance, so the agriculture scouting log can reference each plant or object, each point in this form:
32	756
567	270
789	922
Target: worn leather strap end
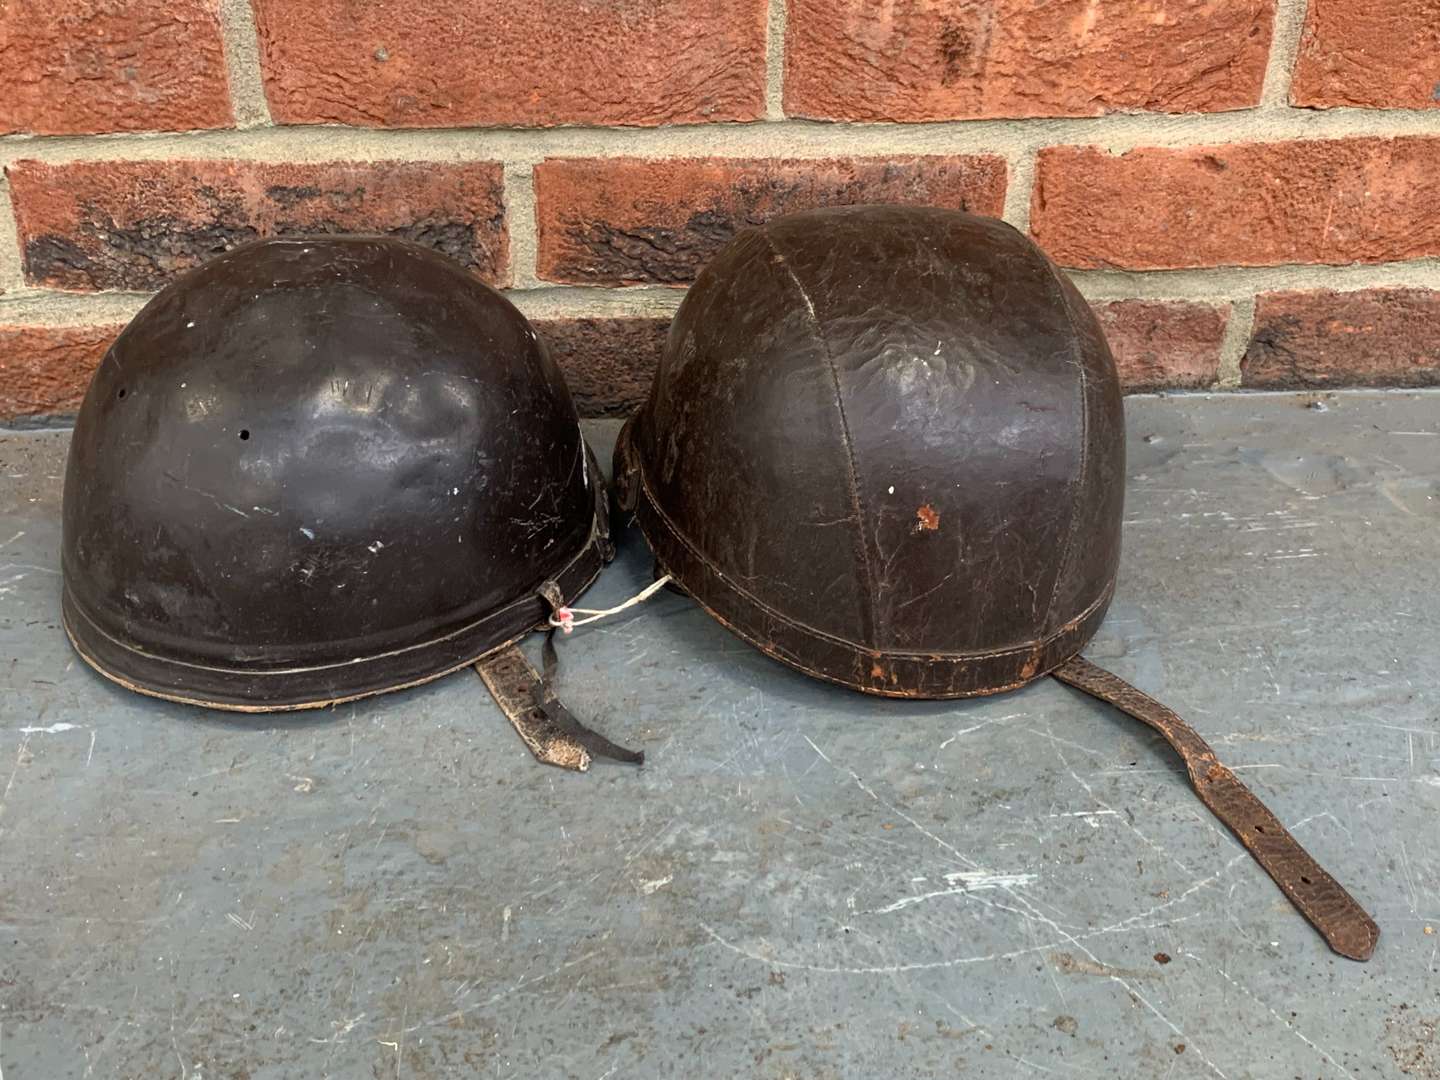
516	687
598	745
549	729
1347	927
1343	923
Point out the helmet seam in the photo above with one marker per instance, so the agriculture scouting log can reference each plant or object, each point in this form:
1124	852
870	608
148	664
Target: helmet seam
870	625
1077	486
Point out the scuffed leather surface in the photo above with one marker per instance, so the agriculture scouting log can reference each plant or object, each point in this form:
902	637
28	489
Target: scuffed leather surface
885	445
314	469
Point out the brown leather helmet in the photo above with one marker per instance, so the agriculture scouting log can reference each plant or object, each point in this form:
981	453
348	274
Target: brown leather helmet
885	445
313	470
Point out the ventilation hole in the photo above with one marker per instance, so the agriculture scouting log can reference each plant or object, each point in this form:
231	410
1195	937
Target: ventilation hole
244	433
1259	828
1305	879
121	394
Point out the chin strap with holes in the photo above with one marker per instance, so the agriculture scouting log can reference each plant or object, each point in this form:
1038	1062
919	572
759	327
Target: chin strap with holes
1344	924
528	700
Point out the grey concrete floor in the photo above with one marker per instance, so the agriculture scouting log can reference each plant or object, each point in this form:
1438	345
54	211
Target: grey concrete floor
801	881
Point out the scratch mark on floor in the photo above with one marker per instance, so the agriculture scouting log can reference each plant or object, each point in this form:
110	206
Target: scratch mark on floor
977	727
20	753
1134	993
961	883
1067	963
951	848
816	748
1060	754
895	969
29	566
1409	880
1251	995
523	984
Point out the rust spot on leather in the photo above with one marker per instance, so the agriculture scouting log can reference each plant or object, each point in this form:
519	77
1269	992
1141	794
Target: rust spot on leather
926	519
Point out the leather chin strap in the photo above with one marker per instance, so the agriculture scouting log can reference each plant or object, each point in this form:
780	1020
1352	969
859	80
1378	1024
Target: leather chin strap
528	700
553	735
1343	923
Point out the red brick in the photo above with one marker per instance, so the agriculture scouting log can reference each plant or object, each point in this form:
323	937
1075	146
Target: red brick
1245	204
136	224
621	221
1379	54
914	60
1379	337
74	67
608	362
44	370
451	63
1164	344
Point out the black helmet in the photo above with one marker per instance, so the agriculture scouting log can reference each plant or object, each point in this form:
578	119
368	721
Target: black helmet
313	470
885	445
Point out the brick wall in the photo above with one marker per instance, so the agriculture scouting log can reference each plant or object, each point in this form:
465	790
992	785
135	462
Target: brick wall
1248	191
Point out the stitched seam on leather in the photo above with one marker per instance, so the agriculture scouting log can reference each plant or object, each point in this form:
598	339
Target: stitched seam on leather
479	624
672	530
878	691
318	703
868	605
1079	485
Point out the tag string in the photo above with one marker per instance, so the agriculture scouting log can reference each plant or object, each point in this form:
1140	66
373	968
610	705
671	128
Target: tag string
564	617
